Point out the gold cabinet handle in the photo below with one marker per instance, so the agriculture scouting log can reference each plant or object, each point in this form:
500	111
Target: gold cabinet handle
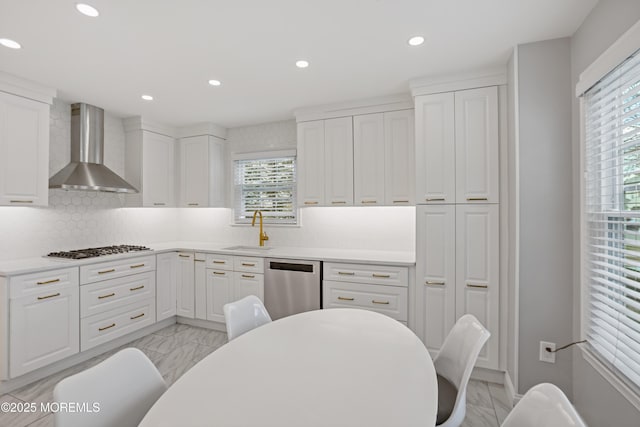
198	260
428	282
193	204
159	204
136	266
476	199
310	203
219	262
248	276
219	273
20	201
248	264
137	288
107	327
137	317
380	302
184	256
400	201
107	271
49	296
106	296
345	299
346	273
48	282
469	285
338	202
368	201
435	199
381	276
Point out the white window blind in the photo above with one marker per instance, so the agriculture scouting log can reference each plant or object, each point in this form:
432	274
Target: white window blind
268	185
612	218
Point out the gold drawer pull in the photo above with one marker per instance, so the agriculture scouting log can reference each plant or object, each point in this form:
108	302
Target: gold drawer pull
107	327
310	203
345	299
137	317
368	201
49	296
248	276
380	302
20	201
248	264
338	203
107	271
476	199
346	273
219	273
137	288
400	201
469	285
136	266
435	199
193	204
219	262
381	276
434	283
107	296
198	260
48	282
184	256
159	204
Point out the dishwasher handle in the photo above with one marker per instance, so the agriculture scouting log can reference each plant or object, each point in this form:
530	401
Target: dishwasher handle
289	266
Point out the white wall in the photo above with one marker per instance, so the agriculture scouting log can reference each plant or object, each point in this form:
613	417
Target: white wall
598	402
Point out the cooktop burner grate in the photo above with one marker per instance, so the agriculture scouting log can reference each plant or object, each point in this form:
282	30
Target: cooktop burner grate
96	252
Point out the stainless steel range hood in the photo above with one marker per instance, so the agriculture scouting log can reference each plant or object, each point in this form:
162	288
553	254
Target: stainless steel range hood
86	170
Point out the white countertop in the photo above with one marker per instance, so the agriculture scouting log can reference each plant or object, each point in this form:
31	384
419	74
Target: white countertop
33	265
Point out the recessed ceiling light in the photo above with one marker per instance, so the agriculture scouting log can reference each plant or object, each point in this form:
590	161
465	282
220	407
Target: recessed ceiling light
302	63
147	97
214	82
11	44
87	10
416	41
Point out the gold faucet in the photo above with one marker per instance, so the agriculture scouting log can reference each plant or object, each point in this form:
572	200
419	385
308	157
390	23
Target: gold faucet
263	235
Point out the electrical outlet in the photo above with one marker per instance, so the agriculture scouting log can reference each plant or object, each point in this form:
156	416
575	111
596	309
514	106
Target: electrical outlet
547	356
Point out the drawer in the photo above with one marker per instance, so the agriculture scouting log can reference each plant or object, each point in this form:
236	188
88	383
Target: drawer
123	267
364	273
109	294
44	281
389	300
248	264
220	262
104	327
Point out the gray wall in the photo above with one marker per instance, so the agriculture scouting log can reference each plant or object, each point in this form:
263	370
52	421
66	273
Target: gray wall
598	402
545	211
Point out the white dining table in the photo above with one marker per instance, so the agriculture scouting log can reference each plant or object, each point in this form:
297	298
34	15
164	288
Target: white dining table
330	368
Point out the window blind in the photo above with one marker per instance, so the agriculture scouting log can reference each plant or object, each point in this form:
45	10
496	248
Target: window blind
268	185
612	218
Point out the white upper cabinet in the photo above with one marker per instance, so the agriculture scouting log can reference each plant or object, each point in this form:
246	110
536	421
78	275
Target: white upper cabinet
369	162
311	163
202	171
477	135
338	161
150	168
435	149
24	151
399	173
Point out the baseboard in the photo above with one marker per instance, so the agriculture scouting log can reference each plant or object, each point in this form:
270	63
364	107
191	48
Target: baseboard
489	375
510	390
216	326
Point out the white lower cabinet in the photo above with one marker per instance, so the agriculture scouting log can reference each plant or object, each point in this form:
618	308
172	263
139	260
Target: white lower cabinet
219	292
44	321
457	273
245	284
166	281
185	285
200	285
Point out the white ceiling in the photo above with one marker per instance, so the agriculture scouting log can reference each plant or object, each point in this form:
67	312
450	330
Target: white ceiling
170	49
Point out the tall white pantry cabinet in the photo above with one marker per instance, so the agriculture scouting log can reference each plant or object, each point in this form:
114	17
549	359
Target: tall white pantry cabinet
457	196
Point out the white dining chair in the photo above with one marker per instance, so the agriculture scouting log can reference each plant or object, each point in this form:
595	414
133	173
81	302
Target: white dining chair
454	364
244	315
544	405
124	387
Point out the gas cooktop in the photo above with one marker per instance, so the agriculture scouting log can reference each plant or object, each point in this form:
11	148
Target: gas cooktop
96	252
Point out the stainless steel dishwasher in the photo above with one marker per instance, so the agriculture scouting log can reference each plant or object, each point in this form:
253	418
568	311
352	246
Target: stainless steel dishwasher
291	286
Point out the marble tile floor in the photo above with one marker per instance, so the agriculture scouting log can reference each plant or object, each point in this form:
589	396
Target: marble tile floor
176	348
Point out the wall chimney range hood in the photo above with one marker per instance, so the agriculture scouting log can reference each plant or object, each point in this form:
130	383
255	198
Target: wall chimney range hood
86	170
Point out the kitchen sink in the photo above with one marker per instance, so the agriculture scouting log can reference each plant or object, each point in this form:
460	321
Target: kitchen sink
247	248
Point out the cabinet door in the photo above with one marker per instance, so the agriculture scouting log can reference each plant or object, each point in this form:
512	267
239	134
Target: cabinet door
44	329
200	281
477	275
24	151
399	178
166	282
217	172
338	165
245	284
311	163
185	286
435	149
368	156
194	171
219	292
157	169
477	145
436	274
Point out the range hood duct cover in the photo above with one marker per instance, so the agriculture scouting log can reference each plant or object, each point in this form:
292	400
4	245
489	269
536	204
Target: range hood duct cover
86	170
